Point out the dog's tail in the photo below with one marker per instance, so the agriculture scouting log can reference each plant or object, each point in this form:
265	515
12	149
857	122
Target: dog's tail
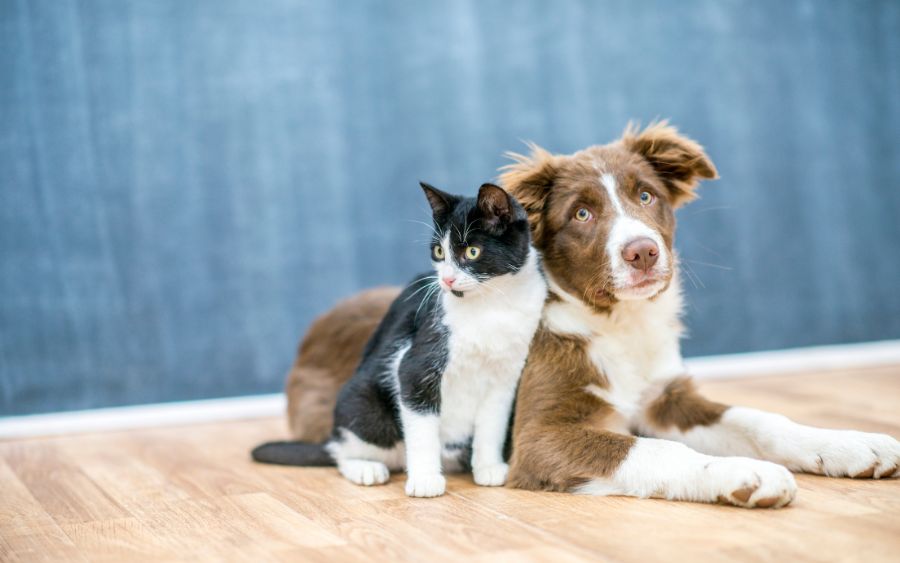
293	453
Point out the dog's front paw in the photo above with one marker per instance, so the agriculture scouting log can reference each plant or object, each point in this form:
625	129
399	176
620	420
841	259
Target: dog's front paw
750	483
491	475
427	485
861	455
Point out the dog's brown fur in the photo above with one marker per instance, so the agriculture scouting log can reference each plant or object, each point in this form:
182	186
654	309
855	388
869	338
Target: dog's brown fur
326	359
551	405
680	405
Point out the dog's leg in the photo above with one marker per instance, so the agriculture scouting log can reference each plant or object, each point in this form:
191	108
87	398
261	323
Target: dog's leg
680	413
570	445
586	461
666	469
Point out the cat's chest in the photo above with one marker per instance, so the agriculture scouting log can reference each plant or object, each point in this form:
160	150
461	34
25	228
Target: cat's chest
486	349
490	328
479	361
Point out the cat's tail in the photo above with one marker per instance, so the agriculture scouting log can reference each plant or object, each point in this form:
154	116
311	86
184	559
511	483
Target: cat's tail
293	453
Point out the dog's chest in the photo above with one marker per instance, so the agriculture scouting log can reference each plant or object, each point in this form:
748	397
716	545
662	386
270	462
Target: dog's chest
633	359
634	348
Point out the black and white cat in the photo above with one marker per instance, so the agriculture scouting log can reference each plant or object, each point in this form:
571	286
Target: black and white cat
436	383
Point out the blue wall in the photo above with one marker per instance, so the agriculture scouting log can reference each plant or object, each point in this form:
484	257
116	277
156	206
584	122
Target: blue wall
185	184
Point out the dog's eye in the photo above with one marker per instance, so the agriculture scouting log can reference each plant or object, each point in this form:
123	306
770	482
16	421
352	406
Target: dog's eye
473	252
583	215
438	252
646	198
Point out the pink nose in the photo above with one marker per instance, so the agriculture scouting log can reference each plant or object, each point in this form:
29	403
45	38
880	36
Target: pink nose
641	253
448	281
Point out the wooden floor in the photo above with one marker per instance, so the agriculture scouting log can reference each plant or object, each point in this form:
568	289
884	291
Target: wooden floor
192	493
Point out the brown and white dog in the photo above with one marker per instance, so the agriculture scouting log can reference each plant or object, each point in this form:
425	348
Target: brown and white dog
604	405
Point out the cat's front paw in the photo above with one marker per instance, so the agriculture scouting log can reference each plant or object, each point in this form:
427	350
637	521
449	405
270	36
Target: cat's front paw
427	485
847	453
491	475
364	472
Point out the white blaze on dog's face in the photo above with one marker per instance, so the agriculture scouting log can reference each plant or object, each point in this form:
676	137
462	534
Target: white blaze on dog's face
639	258
610	210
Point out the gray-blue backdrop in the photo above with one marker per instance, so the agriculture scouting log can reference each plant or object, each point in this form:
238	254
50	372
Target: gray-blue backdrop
185	184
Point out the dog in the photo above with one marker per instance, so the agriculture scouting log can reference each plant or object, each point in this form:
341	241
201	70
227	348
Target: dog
605	405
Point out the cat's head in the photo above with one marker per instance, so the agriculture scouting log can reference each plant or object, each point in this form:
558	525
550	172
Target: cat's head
476	239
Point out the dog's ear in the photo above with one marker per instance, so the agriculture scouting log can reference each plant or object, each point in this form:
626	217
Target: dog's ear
529	179
678	161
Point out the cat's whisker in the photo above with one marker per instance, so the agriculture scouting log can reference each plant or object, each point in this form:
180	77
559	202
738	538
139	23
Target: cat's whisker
466	231
434	229
434	287
431	280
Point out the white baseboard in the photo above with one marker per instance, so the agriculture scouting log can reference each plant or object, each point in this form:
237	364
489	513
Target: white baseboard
795	360
143	416
819	358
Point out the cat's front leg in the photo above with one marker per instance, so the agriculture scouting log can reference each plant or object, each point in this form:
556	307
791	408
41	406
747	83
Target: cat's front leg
419	381
423	453
491	424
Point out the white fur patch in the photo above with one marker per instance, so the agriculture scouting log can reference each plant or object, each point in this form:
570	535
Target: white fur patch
664	469
635	346
363	463
490	336
609	182
837	453
364	472
449	268
625	229
421	433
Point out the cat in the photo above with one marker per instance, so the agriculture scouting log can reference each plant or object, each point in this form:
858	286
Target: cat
435	387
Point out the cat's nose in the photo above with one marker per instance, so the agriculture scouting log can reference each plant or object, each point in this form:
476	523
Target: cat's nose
448	280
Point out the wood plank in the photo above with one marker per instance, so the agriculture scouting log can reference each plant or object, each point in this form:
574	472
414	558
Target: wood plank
27	532
56	481
192	493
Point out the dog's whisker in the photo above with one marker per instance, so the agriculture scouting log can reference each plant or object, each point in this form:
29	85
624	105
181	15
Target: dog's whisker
710	265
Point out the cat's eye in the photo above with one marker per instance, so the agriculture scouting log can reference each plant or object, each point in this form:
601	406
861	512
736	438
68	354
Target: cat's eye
438	252
647	198
473	252
583	215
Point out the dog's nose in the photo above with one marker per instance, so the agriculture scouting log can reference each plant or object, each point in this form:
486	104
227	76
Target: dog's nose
641	253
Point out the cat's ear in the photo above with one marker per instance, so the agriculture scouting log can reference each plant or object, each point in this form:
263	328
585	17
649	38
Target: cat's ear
496	207
441	202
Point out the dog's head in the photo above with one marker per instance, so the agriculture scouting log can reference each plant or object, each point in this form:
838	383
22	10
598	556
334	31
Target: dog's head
603	217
